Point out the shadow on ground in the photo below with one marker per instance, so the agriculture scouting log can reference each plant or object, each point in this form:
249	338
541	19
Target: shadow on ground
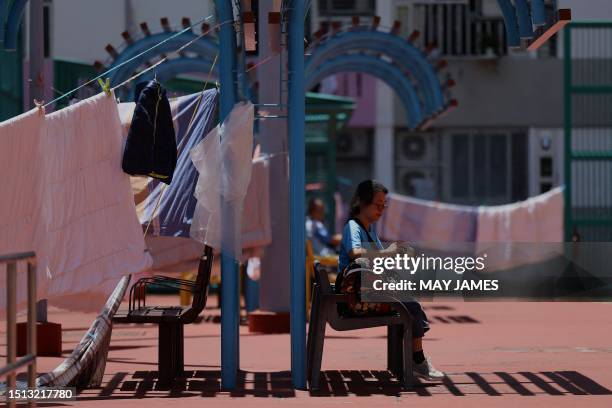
143	384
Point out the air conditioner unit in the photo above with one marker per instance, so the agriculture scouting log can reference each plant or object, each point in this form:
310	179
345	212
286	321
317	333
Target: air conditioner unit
353	144
415	148
419	182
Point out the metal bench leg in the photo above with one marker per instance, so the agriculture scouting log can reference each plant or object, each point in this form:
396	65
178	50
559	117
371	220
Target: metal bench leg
179	346
408	375
316	338
170	352
395	334
315	311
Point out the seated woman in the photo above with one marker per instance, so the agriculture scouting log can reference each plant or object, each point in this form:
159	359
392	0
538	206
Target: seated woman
359	236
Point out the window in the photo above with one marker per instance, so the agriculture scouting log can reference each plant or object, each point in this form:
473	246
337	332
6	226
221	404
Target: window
47	28
484	168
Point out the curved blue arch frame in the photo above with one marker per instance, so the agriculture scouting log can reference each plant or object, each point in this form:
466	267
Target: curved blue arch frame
204	47
379	68
13	22
404	53
431	98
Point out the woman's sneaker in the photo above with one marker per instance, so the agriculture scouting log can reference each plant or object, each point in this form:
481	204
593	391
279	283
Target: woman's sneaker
427	371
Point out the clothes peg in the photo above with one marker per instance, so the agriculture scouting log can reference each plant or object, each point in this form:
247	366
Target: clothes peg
105	86
40	105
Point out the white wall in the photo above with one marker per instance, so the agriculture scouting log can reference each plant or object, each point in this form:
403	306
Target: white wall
82	28
152	10
588	9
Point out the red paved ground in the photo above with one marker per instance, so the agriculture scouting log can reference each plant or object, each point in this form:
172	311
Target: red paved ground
496	355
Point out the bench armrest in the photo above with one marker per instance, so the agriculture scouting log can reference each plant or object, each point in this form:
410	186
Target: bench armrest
143	283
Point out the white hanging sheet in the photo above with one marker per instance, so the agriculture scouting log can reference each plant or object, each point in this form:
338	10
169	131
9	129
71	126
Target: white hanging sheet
69	201
224	163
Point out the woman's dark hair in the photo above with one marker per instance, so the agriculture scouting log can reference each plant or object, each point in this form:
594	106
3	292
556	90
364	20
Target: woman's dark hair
364	195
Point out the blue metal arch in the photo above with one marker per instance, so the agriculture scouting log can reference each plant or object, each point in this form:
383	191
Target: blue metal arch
430	97
204	47
379	68
15	16
401	51
431	93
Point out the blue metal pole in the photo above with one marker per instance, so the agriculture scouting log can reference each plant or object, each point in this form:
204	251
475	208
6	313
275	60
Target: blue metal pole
524	19
538	12
251	294
510	22
297	181
230	307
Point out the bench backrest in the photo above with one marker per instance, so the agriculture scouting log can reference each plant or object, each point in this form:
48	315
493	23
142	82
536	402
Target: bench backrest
322	279
202	282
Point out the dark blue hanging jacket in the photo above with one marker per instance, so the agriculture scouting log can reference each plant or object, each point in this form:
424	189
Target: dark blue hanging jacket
150	149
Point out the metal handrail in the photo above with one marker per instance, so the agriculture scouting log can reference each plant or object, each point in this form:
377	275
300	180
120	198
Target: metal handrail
20	256
24	361
12	365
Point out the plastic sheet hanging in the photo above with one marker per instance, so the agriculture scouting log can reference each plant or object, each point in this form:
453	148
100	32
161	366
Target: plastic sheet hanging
224	163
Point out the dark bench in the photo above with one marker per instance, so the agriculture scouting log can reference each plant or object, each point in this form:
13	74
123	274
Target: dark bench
324	309
170	319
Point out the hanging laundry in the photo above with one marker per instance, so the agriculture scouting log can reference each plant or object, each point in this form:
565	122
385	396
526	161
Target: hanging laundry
150	148
224	161
256	225
22	162
69	201
414	220
171	217
507	233
537	219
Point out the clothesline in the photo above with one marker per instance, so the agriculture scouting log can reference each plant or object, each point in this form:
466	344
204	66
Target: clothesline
135	57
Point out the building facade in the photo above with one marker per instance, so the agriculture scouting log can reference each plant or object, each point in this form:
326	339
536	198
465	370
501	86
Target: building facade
504	141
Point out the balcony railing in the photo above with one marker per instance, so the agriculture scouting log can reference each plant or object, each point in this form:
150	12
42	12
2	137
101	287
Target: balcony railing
458	30
29	360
